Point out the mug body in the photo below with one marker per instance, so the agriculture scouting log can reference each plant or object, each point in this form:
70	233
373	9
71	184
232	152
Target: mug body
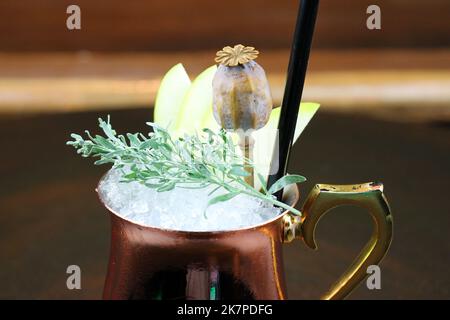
153	263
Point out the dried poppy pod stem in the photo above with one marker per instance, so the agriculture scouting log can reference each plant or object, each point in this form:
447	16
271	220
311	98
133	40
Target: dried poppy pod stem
241	96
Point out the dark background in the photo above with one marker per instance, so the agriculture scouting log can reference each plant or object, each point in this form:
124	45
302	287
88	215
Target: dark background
50	216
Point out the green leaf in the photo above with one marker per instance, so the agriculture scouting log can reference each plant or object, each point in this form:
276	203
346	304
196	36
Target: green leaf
151	185
109	154
76	136
102	161
222	198
262	181
214	190
104	142
160	131
148	144
130	176
167	187
134	140
237	170
284	181
107	129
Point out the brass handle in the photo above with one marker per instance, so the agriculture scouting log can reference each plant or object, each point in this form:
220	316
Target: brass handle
369	196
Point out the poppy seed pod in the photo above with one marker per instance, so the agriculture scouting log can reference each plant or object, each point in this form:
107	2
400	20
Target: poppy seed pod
241	93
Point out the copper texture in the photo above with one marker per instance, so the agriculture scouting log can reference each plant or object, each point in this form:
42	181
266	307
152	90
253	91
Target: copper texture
152	263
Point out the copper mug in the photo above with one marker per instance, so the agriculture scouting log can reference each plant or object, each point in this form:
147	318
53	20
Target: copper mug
152	263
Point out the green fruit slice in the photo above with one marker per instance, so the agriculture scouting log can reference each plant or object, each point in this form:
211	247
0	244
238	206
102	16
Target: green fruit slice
196	108
171	93
265	137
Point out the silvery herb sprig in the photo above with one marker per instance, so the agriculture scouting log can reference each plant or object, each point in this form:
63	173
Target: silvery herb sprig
193	161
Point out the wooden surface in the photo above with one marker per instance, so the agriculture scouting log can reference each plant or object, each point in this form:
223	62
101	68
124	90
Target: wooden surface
115	25
51	218
397	84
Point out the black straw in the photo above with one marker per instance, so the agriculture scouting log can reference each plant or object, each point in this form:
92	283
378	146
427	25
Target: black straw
298	64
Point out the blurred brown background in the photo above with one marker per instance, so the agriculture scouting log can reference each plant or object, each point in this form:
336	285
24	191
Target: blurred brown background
123	49
385	116
138	25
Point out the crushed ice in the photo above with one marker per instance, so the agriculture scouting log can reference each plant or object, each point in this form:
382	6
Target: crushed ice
181	208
